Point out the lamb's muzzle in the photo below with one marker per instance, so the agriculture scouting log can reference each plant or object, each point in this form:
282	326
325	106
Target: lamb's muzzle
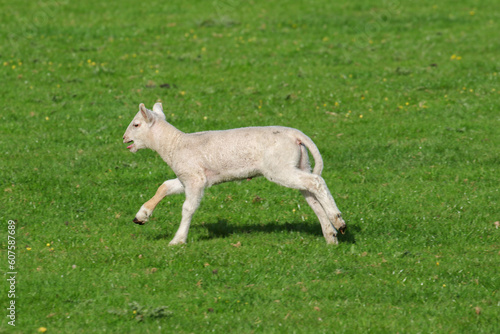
204	159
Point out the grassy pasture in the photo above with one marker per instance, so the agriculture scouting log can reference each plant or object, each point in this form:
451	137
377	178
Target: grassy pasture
401	97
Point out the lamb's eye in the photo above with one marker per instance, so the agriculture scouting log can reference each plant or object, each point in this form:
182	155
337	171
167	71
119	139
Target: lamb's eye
136	125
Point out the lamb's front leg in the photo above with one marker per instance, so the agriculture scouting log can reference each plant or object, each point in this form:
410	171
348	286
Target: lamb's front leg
192	202
169	187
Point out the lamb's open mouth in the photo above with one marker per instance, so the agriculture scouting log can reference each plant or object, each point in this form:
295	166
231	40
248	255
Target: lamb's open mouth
130	146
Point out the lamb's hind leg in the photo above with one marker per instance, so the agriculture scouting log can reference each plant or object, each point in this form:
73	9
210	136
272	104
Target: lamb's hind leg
317	185
329	231
302	180
169	187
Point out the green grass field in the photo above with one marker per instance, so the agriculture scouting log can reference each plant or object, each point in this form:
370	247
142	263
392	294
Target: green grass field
401	97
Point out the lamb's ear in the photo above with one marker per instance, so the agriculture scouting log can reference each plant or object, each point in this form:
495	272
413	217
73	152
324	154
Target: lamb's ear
158	109
147	114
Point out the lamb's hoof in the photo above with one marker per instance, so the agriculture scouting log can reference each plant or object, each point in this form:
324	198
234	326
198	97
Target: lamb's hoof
342	229
340	222
174	243
332	241
137	221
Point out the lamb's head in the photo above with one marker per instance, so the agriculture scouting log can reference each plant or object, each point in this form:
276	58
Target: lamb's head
139	129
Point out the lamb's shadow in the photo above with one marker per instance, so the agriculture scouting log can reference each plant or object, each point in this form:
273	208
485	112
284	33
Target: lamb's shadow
222	229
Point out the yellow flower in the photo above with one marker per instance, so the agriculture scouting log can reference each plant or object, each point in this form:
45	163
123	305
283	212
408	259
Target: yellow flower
183	93
42	330
13	67
48	244
360	116
28	248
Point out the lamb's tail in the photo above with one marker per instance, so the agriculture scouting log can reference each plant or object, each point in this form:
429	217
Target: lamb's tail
309	144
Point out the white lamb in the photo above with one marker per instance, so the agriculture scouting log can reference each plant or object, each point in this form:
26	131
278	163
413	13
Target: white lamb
203	159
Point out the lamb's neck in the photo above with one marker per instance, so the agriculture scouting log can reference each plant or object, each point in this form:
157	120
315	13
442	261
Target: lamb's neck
164	139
